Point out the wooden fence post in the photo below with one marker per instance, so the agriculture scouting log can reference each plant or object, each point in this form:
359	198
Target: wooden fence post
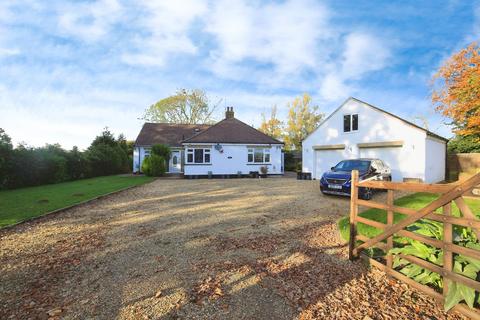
390	217
353	213
447	254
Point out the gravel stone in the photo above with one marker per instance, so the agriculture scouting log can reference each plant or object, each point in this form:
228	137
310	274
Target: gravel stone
199	249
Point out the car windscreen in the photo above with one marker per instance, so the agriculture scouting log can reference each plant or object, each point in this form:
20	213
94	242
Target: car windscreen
349	165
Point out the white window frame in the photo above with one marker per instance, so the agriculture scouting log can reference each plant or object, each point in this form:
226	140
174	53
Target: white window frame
191	151
351	122
265	152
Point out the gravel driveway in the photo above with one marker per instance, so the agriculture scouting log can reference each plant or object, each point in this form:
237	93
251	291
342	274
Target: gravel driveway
198	249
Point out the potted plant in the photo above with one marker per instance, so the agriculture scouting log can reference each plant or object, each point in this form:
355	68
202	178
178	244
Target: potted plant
263	171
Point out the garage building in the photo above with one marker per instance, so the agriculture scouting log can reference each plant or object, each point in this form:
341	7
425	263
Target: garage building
357	129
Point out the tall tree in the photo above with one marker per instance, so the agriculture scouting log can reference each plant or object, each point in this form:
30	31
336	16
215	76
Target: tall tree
186	106
106	155
456	90
303	118
272	126
464	144
6	150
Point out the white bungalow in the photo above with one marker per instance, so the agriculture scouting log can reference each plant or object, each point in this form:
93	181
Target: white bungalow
229	147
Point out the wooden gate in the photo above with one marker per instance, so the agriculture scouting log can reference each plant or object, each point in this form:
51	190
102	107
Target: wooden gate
447	194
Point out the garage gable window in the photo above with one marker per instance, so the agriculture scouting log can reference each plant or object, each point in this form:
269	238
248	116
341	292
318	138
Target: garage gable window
350	122
258	155
198	155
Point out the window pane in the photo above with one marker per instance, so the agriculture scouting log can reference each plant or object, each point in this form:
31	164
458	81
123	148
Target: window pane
258	155
346	123
207	157
198	155
355	122
267	157
190	157
250	157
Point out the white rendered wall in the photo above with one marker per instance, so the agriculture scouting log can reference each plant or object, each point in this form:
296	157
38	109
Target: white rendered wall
138	156
435	160
136	165
234	159
374	126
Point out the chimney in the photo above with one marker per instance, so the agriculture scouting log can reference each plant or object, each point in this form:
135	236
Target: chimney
229	114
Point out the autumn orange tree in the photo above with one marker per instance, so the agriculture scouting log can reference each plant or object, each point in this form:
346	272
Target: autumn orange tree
303	118
272	126
456	91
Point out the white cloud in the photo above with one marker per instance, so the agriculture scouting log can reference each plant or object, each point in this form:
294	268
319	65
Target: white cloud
5	17
362	53
166	25
52	116
6	52
333	87
255	54
474	35
89	21
287	35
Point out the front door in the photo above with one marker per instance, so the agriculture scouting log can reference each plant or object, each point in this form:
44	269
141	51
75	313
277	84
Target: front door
175	162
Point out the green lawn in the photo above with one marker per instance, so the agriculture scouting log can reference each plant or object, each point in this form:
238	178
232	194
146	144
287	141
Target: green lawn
20	204
414	201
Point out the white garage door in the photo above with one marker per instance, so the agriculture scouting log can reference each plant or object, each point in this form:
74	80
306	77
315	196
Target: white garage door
325	159
390	156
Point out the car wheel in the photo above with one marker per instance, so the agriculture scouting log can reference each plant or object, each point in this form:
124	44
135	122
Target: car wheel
366	194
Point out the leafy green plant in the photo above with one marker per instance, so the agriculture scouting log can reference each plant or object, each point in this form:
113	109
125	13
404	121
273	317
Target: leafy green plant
463	265
146	166
419	274
154	166
162	151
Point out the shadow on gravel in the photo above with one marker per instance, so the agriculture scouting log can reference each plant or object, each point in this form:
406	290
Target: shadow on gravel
227	249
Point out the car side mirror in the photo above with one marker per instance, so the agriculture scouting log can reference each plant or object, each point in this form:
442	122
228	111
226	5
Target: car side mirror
373	170
332	168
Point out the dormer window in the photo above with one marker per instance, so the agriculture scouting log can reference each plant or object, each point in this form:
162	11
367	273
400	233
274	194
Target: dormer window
350	122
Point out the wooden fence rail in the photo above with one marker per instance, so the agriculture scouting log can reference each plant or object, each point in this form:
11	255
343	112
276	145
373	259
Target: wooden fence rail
448	193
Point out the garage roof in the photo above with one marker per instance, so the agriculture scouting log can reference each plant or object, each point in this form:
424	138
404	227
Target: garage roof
429	133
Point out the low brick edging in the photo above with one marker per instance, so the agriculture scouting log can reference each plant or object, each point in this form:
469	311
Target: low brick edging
50	213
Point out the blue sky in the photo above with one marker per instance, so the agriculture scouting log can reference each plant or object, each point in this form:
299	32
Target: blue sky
70	68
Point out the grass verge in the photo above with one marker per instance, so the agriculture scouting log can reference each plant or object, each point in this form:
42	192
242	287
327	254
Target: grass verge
25	203
413	201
